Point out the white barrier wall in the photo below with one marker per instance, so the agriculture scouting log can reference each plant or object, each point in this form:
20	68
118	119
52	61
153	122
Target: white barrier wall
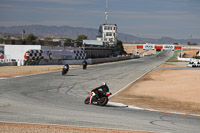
184	59
17	51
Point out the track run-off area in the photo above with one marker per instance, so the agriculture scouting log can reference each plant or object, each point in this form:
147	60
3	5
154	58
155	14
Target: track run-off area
52	99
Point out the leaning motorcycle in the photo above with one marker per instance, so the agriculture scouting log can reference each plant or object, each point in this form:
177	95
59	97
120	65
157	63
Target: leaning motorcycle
101	100
84	65
64	71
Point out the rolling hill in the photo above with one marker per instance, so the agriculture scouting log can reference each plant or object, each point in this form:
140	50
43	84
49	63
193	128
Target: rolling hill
73	32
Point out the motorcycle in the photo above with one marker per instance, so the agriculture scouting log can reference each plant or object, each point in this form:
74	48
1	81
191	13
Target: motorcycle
101	100
84	65
65	69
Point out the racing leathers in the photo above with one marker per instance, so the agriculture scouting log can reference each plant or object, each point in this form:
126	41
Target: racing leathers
99	91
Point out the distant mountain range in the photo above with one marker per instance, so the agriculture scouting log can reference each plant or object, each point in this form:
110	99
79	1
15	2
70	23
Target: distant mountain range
73	32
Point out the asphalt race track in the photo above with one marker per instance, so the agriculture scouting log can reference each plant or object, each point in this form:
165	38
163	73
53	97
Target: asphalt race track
59	100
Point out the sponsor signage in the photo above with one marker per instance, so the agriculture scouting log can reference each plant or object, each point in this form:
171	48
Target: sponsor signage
152	47
177	47
158	47
148	47
140	46
168	47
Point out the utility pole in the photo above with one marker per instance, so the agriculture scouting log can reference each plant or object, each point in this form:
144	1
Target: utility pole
23	32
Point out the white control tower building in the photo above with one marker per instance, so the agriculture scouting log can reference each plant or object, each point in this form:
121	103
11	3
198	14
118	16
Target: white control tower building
108	32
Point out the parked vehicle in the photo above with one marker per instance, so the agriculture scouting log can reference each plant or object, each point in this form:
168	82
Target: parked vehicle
1	54
194	63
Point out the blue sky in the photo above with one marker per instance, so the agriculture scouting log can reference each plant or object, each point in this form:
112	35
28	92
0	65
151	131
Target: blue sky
145	18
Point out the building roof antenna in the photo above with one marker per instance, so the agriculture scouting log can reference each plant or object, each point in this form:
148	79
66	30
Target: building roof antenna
106	12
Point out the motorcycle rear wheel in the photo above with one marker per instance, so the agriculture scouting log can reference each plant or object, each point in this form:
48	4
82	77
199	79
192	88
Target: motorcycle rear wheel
103	101
87	100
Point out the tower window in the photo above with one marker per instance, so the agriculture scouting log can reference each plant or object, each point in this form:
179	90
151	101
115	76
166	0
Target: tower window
108	34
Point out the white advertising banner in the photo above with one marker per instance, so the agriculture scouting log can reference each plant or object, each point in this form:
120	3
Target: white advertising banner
168	47
148	47
17	51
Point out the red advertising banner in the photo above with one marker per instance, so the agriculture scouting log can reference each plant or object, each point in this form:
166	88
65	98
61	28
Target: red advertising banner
158	47
178	47
140	46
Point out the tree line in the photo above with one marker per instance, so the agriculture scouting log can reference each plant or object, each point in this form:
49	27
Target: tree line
32	37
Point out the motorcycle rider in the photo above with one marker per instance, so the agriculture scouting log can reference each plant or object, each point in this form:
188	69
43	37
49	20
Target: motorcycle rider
66	66
84	64
65	69
99	91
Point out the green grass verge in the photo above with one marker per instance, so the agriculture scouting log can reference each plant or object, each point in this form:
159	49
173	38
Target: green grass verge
174	57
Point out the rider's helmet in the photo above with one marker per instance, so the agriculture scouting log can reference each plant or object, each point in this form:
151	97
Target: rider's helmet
65	66
103	83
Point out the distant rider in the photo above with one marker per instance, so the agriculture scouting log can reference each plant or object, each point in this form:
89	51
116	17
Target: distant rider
65	69
84	64
66	66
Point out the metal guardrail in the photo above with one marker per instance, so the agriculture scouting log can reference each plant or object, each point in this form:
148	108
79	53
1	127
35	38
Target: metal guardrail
5	60
10	62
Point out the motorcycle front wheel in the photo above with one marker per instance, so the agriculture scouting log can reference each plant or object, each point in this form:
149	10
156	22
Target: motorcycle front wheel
64	72
103	101
87	100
